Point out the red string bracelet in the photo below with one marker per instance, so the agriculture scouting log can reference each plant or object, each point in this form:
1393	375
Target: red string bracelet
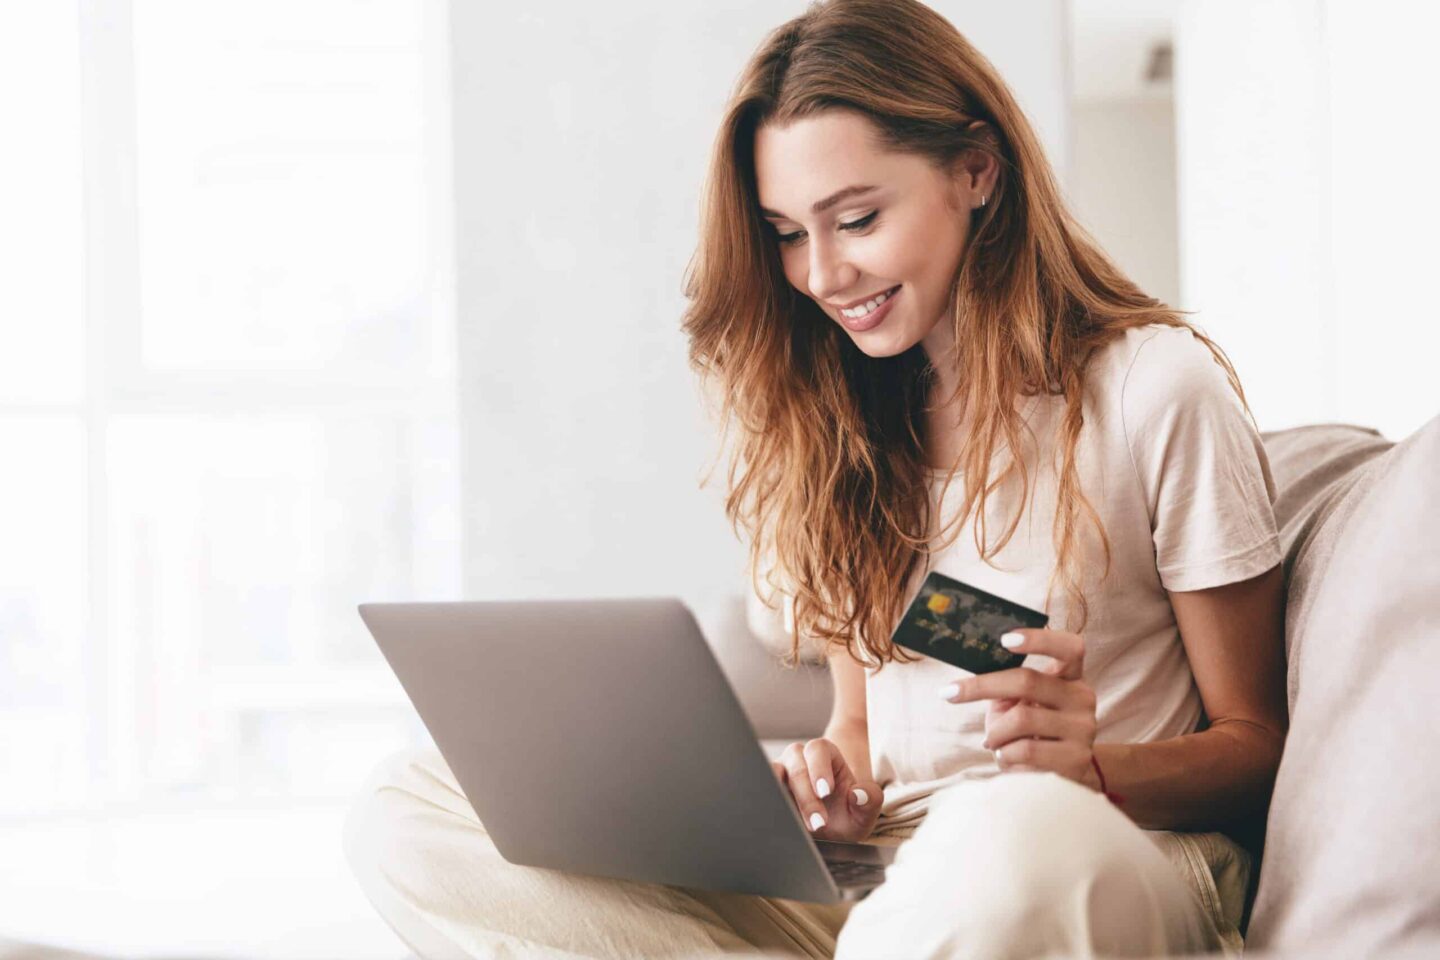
1114	798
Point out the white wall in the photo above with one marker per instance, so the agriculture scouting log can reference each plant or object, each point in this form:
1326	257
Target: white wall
581	133
1307	203
1122	187
1249	129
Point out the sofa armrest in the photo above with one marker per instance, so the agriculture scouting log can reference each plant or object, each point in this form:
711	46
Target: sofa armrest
783	703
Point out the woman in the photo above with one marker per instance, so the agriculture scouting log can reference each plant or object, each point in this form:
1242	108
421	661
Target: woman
909	331
925	308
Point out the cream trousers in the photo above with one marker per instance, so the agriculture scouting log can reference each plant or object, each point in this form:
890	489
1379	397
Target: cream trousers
1021	865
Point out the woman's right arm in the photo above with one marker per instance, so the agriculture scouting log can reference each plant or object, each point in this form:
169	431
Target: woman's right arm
849	726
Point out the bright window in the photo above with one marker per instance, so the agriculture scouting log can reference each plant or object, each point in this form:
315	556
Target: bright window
227	397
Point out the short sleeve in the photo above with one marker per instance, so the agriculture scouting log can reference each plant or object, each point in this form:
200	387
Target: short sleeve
1201	465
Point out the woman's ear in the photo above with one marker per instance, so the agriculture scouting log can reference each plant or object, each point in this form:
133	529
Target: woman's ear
974	174
976	169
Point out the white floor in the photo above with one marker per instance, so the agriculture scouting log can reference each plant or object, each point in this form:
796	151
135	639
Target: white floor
217	882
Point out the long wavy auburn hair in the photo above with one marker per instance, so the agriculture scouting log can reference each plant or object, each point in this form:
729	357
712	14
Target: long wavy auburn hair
828	474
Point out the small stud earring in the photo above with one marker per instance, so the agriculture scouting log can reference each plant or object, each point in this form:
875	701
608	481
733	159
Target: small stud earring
982	199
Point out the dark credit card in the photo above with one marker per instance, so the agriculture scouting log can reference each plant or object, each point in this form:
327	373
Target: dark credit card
962	625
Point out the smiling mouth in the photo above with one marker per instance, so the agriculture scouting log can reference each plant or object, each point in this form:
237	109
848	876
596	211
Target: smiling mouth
850	312
872	319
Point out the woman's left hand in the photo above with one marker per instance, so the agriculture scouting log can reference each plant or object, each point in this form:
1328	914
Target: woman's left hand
1041	716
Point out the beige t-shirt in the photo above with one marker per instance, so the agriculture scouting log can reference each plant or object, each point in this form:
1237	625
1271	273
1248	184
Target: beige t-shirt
1176	471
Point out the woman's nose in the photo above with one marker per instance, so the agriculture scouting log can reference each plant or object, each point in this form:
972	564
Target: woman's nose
829	272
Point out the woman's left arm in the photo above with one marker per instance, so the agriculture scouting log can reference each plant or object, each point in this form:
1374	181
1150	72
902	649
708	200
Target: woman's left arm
1234	636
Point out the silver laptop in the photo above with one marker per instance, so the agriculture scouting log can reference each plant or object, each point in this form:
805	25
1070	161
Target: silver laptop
602	737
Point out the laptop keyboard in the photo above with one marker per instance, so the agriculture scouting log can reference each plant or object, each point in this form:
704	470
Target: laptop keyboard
854	873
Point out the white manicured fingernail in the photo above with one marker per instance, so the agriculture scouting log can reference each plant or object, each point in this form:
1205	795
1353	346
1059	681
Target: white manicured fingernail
861	797
1012	640
997	756
822	788
816	821
949	690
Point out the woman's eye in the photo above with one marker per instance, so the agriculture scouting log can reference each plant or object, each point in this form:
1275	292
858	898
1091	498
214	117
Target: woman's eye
860	224
852	226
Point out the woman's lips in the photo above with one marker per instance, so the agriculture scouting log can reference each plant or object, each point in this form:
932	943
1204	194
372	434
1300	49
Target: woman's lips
872	319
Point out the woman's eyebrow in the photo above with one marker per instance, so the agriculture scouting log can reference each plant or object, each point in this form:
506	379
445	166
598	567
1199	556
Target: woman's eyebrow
821	206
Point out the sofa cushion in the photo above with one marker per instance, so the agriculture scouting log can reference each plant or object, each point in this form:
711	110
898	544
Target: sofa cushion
1320	472
1352	853
783	702
772	623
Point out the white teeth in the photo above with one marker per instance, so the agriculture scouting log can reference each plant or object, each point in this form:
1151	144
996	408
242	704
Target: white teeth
865	308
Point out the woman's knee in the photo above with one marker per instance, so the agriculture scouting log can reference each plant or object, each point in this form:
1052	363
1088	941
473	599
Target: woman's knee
1019	836
1015	866
1034	816
385	819
396	836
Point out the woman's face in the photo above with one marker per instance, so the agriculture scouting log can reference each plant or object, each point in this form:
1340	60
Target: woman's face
903	237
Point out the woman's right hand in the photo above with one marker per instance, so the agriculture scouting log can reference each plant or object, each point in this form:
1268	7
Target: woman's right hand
804	767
